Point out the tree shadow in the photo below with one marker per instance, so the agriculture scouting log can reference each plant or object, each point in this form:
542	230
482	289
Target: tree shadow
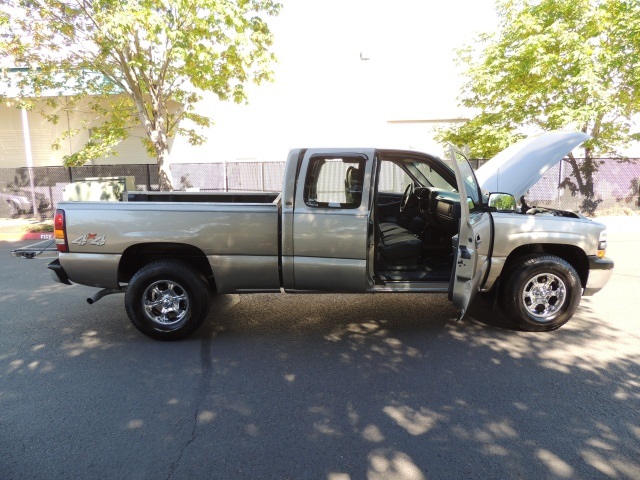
311	386
413	395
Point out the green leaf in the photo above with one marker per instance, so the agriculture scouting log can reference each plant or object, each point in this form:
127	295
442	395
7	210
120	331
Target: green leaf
121	65
553	64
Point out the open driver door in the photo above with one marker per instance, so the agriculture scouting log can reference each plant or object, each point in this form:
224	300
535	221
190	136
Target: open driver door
475	237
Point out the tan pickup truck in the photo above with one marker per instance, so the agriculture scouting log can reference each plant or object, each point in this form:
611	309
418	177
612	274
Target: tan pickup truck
347	220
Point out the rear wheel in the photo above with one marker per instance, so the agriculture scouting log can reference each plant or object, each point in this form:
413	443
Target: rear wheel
540	292
167	299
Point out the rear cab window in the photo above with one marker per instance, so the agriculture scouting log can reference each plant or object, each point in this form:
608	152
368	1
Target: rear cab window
334	182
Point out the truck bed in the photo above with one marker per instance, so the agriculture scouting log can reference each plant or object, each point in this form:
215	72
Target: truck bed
209	197
239	239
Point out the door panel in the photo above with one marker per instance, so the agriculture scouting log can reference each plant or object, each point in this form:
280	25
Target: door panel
474	238
330	250
331	221
389	201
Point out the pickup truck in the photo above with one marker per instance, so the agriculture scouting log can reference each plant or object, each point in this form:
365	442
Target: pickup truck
357	220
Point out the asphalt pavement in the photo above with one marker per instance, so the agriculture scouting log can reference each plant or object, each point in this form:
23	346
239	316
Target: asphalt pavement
335	387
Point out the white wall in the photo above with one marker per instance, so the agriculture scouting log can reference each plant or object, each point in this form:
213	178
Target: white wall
43	134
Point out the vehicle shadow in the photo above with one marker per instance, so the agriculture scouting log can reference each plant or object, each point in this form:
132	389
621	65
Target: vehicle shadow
485	310
310	386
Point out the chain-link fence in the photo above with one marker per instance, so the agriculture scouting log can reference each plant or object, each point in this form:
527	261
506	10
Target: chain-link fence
234	176
616	183
22	189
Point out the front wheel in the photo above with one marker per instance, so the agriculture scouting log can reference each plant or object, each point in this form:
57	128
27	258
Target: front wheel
540	292
167	299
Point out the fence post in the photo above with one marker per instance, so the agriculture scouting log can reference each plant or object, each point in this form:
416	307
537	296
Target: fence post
148	178
224	177
26	133
559	182
262	175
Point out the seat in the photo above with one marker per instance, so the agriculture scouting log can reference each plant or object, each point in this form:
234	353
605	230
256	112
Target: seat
353	186
396	243
389	228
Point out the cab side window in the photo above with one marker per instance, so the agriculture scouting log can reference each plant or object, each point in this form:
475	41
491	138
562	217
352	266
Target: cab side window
334	182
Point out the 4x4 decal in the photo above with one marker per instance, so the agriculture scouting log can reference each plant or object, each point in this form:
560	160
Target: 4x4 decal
91	239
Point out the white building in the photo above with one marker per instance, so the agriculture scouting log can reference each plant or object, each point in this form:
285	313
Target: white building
41	136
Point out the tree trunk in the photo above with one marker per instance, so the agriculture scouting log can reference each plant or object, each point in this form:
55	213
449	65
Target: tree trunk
161	144
584	178
165	178
155	124
589	203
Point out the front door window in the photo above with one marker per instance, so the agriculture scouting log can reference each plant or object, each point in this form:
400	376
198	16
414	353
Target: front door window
470	183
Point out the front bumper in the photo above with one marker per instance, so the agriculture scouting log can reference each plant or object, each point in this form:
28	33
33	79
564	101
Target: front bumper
600	270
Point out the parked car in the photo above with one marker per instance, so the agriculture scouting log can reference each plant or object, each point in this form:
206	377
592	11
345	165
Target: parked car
22	204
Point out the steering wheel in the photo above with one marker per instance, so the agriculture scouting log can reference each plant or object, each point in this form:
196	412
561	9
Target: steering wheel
424	197
406	196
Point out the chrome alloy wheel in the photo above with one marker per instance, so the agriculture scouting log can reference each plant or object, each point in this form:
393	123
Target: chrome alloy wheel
165	302
543	295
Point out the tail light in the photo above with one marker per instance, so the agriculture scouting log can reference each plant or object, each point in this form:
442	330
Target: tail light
60	231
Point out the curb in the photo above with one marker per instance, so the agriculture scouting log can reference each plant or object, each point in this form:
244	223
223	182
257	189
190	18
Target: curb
17	237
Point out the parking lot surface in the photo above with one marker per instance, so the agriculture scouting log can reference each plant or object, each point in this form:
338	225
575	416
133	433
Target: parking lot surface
332	387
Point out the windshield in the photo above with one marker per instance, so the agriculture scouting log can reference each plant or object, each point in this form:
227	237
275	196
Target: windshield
431	178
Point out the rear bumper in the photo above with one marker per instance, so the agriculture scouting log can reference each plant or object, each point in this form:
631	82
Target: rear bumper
58	273
600	270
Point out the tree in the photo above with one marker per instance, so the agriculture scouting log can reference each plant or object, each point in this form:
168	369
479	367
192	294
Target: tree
555	64
120	64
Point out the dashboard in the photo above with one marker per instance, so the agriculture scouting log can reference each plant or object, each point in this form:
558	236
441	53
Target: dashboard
442	206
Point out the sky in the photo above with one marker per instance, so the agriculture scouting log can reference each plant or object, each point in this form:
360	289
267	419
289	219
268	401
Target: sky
326	95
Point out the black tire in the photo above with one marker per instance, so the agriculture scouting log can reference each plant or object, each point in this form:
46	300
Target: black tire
167	299
540	293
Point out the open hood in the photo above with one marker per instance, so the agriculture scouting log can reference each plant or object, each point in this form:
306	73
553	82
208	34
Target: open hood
517	168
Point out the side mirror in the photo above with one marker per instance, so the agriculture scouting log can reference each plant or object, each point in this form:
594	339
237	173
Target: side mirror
502	202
